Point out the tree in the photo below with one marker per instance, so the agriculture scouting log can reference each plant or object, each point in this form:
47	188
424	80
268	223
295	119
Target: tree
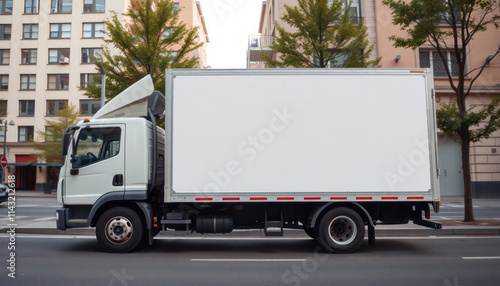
48	148
449	26
325	35
151	40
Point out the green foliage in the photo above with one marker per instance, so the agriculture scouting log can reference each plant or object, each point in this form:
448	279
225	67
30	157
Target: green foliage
450	26
447	25
48	148
146	45
325	33
482	123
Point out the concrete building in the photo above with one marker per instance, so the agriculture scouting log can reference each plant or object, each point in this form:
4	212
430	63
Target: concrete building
485	155
44	57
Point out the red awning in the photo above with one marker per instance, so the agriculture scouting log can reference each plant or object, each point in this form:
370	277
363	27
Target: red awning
24	159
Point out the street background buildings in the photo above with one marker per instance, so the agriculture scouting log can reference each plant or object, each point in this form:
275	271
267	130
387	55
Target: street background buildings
485	155
44	59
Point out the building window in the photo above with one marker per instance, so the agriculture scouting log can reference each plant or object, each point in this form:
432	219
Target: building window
4	57
89	107
49	134
5	31
26	108
30	31
93	30
25	133
4	82
31	6
354	11
60	31
3	109
93	6
6	7
431	59
2	134
447	18
87	53
57	81
55	106
58	56
28	81
86	78
28	56
61	6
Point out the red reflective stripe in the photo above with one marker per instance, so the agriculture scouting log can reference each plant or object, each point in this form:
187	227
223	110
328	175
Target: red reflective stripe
415	198
203	199
230	199
258	199
363	198
338	198
285	198
312	198
390	198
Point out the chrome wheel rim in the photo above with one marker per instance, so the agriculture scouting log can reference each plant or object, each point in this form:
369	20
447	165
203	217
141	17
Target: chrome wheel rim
119	230
342	230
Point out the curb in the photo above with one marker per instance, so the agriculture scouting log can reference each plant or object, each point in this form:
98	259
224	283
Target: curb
446	231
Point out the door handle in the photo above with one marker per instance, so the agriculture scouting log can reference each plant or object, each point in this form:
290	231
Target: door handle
118	180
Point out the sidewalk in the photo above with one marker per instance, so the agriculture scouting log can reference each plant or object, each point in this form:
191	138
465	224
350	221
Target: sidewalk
451	226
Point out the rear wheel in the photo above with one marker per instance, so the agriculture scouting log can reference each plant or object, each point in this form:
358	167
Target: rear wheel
341	230
119	229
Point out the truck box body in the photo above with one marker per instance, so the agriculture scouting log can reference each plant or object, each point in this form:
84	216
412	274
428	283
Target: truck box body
301	135
329	151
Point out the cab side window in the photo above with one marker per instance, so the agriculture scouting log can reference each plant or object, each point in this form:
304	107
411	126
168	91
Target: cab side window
96	144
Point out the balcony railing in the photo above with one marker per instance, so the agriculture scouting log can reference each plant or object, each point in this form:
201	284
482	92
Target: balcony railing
258	45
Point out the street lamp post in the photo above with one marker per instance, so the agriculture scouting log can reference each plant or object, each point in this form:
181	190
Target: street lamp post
103	83
11	123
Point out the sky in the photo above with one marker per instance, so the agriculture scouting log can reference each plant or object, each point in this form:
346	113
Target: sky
229	23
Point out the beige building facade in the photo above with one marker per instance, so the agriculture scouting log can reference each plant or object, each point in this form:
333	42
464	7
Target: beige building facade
485	155
44	58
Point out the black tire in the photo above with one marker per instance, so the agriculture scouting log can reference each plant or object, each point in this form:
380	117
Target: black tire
119	229
340	230
311	232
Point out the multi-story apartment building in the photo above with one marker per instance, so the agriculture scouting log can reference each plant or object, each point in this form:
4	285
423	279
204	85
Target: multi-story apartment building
485	155
44	58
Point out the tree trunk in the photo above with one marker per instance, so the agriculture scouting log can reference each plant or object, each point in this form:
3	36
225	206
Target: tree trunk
468	209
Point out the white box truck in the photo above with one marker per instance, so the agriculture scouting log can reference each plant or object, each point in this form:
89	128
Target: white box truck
329	151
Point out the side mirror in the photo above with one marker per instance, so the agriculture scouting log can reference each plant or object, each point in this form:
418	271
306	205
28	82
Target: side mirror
66	136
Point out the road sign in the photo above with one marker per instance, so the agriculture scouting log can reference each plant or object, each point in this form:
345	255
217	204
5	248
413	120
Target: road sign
4	162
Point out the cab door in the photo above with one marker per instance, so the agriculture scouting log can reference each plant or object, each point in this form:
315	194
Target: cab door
96	166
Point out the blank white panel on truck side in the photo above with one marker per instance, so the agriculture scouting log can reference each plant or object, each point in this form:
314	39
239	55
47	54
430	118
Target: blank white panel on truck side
294	132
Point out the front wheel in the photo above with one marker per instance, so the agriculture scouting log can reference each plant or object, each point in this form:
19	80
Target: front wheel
341	230
119	229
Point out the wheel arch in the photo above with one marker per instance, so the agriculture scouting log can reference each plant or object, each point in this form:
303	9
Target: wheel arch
319	211
116	199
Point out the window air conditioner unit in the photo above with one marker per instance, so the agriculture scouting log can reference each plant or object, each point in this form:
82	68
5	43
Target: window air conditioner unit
64	60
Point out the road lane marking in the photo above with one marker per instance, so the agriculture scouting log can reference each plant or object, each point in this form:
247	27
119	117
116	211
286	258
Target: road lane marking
249	260
481	257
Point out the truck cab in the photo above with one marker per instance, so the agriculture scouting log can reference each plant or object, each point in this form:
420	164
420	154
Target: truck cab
105	158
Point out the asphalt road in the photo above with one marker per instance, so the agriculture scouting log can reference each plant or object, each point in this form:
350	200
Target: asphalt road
66	260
